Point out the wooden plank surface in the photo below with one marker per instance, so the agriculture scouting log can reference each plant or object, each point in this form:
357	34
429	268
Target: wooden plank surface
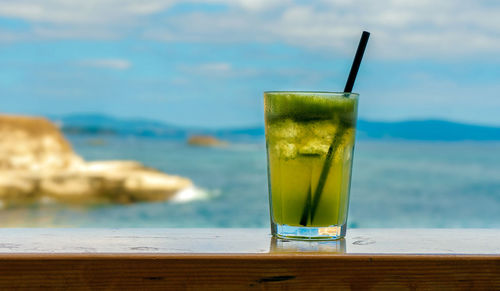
252	272
239	259
245	241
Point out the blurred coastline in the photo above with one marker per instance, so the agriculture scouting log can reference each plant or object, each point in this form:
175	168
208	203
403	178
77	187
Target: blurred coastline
418	130
37	164
396	183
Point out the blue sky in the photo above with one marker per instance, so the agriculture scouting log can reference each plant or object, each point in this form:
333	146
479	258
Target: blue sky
206	63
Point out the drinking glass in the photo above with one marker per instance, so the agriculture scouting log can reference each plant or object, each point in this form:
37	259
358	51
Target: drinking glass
310	144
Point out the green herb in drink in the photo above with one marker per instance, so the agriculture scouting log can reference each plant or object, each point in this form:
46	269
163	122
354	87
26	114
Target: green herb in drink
298	150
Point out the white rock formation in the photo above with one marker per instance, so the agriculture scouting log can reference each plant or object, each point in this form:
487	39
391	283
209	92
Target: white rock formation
38	163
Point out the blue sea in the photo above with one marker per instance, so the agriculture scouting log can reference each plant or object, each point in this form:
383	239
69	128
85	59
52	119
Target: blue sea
395	184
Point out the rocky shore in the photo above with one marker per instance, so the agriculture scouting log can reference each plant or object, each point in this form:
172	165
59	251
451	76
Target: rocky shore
38	164
206	140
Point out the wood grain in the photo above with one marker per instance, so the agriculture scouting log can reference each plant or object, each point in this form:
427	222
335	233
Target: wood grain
249	272
248	259
244	241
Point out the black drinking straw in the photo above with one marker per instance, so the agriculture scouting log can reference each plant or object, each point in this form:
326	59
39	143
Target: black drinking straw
310	208
356	62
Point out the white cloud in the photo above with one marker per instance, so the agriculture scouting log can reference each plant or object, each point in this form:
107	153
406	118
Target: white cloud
217	68
208	69
258	5
81	12
114	64
9	36
400	29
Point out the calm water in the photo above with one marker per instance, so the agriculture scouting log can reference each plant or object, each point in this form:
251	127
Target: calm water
395	184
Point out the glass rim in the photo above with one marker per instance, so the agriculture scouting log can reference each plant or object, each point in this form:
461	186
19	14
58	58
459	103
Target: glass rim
326	93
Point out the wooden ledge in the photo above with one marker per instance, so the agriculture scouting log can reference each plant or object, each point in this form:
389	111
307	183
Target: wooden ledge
230	259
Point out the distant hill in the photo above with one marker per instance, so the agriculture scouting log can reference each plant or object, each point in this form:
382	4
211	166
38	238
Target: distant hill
426	130
430	130
104	124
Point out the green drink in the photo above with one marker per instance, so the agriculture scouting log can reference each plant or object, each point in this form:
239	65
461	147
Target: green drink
310	142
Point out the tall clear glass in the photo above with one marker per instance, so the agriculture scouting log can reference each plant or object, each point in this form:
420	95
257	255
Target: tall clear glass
310	144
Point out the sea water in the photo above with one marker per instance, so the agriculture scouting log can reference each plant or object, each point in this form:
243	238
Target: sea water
394	184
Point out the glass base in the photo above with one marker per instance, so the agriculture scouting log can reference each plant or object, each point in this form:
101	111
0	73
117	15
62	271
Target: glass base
279	245
333	232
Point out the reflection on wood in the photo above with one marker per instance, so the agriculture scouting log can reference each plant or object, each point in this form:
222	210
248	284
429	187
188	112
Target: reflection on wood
230	259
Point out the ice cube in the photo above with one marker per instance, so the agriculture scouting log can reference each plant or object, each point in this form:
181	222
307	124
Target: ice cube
323	129
314	146
286	129
344	146
285	149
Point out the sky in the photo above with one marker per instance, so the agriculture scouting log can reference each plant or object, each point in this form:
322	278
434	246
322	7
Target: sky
207	63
